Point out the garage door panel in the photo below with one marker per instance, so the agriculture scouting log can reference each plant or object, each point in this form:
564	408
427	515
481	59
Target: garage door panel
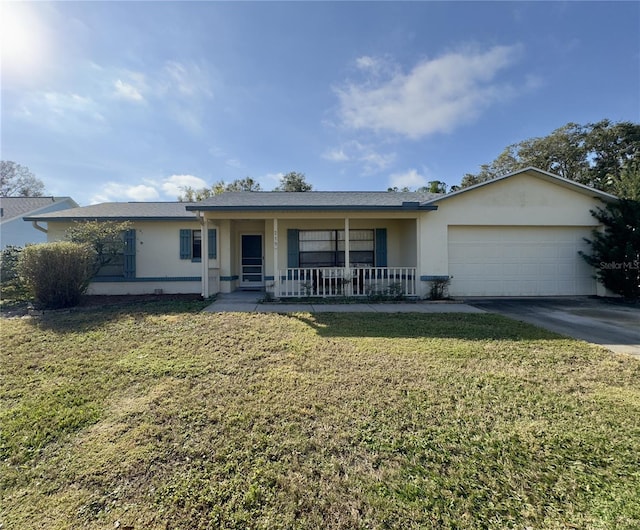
519	261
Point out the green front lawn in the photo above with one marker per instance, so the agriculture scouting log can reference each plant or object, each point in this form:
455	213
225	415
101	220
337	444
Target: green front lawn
157	416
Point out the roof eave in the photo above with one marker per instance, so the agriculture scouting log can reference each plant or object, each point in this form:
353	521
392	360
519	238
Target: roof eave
422	206
585	189
112	218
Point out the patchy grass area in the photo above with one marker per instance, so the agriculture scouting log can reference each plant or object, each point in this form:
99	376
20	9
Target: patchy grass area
158	416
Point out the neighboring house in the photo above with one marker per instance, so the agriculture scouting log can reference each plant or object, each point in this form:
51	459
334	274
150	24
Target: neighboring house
14	231
517	235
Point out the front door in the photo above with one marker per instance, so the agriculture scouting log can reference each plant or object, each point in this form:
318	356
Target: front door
251	274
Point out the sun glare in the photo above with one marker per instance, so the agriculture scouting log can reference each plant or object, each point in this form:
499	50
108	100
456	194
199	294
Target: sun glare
23	41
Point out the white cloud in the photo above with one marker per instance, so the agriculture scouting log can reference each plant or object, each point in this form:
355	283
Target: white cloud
187	80
64	113
437	95
127	91
172	186
183	87
63	104
375	162
336	155
409	179
189	118
371	160
377	66
270	180
169	187
115	191
234	162
367	63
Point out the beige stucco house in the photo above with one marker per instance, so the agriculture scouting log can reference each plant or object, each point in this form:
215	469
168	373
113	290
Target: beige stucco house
518	235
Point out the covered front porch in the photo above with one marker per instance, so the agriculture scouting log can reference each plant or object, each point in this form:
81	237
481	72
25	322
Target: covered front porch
318	255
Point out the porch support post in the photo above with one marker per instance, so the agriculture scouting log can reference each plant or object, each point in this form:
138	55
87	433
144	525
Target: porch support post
417	283
225	257
276	273
204	238
347	261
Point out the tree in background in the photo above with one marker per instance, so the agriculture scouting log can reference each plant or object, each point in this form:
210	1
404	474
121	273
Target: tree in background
595	154
615	253
293	181
18	181
104	237
190	194
245	184
627	184
433	186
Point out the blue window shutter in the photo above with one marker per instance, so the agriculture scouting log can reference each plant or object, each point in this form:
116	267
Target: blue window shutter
212	234
130	253
185	243
293	253
381	247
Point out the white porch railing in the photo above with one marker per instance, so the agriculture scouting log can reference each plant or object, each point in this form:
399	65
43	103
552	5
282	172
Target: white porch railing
340	281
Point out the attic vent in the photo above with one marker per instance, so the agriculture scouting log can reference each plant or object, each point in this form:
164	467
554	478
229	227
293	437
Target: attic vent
1	212
410	204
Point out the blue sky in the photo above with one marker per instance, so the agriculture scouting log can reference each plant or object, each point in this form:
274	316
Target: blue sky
131	100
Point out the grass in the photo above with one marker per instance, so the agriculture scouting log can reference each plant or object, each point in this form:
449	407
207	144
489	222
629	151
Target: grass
157	416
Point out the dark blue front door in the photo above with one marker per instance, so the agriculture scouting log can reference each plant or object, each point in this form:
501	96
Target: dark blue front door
251	274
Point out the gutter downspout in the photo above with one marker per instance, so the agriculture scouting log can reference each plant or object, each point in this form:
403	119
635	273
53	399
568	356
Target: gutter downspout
38	227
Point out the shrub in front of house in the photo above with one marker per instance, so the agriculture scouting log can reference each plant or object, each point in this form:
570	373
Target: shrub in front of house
56	274
11	286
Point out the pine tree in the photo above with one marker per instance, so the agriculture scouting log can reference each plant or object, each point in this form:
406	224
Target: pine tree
615	253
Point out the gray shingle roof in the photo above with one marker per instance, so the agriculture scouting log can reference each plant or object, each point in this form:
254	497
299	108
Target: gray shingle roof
120	211
13	207
271	200
322	200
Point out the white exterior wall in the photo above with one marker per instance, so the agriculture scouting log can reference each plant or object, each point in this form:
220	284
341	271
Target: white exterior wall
158	286
158	263
520	200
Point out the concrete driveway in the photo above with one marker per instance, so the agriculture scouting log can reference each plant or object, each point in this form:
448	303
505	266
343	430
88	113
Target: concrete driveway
614	325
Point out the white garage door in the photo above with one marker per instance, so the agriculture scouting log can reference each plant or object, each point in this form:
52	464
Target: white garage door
519	261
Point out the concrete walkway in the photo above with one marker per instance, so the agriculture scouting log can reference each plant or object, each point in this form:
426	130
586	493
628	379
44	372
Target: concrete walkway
248	302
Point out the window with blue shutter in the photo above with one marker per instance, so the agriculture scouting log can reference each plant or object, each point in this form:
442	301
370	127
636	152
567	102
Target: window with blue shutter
130	253
381	247
185	243
212	234
293	254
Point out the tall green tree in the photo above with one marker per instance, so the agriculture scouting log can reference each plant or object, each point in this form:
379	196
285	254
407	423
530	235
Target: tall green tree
18	181
626	185
294	181
594	154
613	148
615	253
245	184
435	186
